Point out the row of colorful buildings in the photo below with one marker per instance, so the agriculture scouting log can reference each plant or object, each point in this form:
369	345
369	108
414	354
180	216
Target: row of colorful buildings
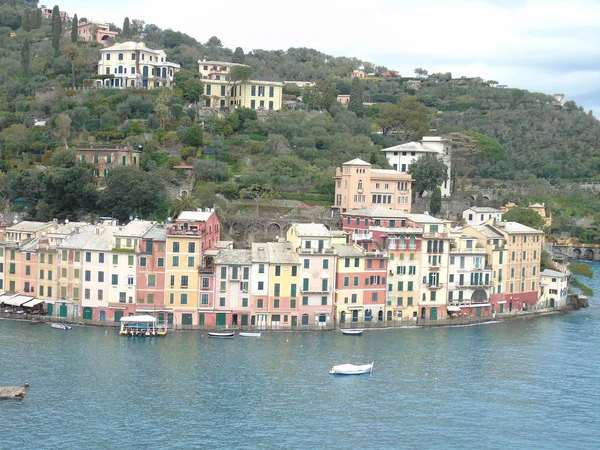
384	265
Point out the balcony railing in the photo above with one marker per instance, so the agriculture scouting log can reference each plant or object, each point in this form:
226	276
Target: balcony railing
311	290
315	251
376	253
433	286
173	231
467	251
357	237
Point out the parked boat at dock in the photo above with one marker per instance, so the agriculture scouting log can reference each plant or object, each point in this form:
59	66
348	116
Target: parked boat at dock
61	326
249	334
352	332
351	369
141	326
220	334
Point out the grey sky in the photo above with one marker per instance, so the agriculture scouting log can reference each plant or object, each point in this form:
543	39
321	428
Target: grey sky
545	46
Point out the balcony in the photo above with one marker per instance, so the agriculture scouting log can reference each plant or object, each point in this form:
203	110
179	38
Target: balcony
315	291
434	268
181	231
358	237
464	251
316	251
433	286
436	235
376	253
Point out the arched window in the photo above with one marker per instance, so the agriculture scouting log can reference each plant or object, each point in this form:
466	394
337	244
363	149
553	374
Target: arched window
412	242
120	69
360	184
402	242
441	246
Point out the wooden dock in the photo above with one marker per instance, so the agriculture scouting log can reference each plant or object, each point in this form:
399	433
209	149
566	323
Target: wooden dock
13	392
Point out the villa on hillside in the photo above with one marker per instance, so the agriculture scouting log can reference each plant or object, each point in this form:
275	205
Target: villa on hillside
402	156
358	186
221	92
133	65
103	159
93	31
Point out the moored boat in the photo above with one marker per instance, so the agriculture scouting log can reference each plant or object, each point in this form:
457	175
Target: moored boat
221	334
141	326
61	326
351	369
250	334
353	332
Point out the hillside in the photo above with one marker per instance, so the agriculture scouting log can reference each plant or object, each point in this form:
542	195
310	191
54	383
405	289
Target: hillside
287	154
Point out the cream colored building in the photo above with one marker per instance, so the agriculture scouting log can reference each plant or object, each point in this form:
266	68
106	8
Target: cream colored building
554	287
133	65
358	185
402	156
220	91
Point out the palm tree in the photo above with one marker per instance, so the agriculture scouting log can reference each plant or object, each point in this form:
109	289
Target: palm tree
184	203
73	54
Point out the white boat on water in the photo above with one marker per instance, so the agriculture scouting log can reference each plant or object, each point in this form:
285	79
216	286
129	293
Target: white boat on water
220	334
351	369
61	326
353	331
250	334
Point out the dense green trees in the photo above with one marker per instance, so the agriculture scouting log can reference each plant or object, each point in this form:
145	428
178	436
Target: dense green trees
428	172
524	216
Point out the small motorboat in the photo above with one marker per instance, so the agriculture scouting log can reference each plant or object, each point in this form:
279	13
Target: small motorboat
351	369
61	326
353	332
250	334
221	334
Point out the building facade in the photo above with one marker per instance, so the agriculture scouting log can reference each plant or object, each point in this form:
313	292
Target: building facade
93	31
358	186
221	91
402	156
104	159
135	66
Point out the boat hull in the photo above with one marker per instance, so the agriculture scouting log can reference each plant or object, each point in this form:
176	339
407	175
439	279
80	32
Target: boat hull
351	369
250	335
221	335
355	332
60	326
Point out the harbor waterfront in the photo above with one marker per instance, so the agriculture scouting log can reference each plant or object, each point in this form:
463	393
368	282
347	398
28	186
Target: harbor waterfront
514	384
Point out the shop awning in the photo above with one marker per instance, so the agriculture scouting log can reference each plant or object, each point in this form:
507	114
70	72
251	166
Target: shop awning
16	300
32	303
352	308
475	305
452	308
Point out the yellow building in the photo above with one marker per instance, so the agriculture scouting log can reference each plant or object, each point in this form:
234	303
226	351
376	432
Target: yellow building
187	239
104	159
220	91
515	251
133	65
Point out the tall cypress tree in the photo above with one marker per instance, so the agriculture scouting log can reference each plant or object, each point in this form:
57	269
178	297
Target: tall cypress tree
74	29
36	19
435	204
126	33
56	29
356	98
25	57
26	23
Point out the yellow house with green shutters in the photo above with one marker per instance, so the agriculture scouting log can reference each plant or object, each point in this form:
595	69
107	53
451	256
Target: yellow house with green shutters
221	92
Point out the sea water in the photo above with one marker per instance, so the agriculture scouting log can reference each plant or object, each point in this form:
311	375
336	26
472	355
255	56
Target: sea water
519	384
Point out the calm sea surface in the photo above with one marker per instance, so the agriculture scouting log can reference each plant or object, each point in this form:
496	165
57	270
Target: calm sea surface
519	385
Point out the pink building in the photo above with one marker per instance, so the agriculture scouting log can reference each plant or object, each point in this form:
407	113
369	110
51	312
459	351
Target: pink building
93	31
151	273
47	14
358	185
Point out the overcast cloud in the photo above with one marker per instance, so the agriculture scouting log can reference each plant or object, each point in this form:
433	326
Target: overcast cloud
543	46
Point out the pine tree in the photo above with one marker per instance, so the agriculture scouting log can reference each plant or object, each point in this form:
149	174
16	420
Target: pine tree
238	56
56	29
435	204
126	33
74	29
25	58
26	23
356	98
